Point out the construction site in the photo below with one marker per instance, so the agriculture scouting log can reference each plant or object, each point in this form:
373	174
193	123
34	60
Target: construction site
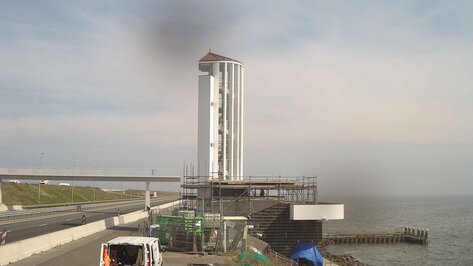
258	212
224	212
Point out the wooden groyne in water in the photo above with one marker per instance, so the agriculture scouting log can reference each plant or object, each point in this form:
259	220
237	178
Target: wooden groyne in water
406	235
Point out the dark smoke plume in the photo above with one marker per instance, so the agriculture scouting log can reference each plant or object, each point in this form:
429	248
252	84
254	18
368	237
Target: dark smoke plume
179	30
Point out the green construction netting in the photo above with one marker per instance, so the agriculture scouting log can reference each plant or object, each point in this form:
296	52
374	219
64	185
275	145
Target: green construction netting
254	258
169	224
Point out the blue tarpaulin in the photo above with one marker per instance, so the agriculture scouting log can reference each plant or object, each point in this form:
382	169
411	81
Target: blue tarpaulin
307	250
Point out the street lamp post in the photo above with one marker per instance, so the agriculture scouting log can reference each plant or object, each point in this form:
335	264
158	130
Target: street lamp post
94	190
40	167
72	194
39	191
72	190
41	161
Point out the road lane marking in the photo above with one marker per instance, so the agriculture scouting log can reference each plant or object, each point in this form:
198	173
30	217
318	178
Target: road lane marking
42	225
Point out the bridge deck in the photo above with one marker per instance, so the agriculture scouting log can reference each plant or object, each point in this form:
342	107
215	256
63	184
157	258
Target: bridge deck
121	175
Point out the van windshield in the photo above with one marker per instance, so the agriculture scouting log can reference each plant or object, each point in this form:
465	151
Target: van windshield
126	255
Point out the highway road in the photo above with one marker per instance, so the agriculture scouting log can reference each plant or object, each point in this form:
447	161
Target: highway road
35	226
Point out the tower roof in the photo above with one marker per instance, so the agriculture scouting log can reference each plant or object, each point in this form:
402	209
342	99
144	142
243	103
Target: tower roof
216	57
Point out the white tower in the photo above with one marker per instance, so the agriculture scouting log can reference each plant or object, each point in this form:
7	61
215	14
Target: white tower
220	130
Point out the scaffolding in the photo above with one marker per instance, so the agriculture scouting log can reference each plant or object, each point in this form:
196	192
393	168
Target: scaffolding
241	197
223	203
189	192
227	205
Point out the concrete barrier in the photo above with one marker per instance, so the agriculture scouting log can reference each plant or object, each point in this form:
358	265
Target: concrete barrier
4	208
23	249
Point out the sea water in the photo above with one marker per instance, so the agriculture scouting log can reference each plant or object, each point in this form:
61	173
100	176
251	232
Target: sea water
449	220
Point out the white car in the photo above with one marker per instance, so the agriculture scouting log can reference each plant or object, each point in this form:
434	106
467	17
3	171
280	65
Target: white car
132	250
14	181
65	184
44	182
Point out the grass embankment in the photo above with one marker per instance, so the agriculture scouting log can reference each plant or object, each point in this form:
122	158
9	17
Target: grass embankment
27	194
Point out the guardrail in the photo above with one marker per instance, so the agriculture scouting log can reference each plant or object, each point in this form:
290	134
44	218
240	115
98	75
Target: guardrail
36	206
13	215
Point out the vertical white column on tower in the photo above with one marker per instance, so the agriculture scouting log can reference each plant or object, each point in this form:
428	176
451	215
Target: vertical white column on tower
224	135
231	124
240	131
236	123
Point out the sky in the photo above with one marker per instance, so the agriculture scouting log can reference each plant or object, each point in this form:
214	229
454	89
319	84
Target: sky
373	97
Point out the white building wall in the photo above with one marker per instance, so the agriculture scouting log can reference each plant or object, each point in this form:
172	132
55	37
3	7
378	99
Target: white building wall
205	147
317	212
224	82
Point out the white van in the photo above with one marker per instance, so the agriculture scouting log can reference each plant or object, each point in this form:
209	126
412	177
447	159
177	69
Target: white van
132	250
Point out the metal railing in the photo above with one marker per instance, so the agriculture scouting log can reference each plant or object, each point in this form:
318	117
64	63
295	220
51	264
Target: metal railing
396	231
279	259
275	257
